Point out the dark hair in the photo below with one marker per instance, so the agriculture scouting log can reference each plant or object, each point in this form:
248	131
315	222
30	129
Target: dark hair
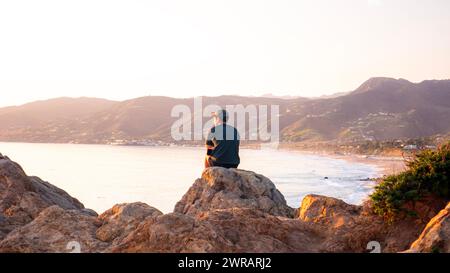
223	115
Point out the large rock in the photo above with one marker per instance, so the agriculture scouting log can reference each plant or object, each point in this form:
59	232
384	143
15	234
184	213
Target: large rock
350	228
252	230
436	235
222	230
337	222
119	221
22	197
327	210
55	230
224	211
173	232
221	188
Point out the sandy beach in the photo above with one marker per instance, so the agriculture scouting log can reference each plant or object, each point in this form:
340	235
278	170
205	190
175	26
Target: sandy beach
387	164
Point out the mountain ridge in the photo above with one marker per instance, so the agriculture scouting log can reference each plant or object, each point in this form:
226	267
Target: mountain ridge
379	109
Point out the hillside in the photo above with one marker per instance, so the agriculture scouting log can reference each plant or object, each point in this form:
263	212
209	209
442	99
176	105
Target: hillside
53	109
380	109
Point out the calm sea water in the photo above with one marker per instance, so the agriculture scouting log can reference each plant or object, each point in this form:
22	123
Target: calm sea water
101	175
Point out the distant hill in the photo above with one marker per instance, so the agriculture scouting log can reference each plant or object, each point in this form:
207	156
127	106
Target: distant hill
34	121
45	111
379	109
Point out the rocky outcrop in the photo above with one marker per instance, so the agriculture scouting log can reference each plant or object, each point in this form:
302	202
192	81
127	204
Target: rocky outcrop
327	211
58	230
55	230
120	220
436	235
220	188
223	230
173	232
349	228
224	211
22	197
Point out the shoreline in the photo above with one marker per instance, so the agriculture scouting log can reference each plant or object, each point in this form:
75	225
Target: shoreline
387	165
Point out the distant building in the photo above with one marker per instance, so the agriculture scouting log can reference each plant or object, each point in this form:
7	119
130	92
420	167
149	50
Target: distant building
410	147
431	147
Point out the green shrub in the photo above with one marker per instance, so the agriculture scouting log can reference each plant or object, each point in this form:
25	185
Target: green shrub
427	173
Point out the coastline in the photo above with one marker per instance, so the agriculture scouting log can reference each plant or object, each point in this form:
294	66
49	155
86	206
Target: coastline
387	165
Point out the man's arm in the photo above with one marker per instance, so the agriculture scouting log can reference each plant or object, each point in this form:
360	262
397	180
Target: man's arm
209	143
209	149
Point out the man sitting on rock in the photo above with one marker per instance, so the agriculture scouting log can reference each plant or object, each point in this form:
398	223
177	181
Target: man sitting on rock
222	143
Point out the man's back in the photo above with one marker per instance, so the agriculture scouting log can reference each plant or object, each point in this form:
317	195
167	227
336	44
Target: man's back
225	140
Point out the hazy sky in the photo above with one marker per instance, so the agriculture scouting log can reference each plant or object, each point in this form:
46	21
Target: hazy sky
125	49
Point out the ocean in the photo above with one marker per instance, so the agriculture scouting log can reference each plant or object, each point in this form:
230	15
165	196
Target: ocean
101	176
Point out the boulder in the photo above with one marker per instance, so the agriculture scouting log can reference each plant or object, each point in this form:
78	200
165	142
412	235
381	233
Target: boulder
22	197
250	230
121	219
221	188
55	230
327	210
337	222
235	230
350	228
226	210
436	235
173	232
